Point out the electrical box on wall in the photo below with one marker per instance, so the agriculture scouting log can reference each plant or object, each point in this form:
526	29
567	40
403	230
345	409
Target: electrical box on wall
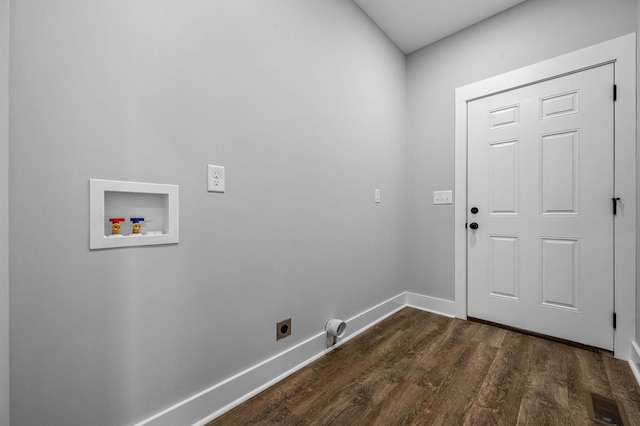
442	197
125	214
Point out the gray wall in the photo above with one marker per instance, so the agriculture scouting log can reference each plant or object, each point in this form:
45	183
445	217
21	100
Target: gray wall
531	32
4	212
302	101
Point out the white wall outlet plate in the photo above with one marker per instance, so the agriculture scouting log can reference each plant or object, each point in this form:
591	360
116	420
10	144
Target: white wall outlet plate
442	197
376	195
215	178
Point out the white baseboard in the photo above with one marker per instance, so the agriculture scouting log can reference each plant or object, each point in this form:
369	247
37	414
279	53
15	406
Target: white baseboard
431	304
211	403
634	362
205	406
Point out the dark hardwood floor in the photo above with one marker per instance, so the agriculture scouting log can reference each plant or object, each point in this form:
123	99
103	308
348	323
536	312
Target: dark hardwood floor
417	368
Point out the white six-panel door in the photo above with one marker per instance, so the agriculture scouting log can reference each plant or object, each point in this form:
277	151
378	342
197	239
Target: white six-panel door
540	173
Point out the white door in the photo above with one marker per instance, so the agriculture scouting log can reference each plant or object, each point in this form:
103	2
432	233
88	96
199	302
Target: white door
540	173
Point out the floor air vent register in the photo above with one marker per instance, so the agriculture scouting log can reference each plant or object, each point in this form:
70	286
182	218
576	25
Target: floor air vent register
606	411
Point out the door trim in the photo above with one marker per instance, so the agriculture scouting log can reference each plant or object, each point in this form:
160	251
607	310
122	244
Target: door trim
622	53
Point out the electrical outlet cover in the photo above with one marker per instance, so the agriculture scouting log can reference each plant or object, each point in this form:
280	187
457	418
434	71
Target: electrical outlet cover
215	178
442	197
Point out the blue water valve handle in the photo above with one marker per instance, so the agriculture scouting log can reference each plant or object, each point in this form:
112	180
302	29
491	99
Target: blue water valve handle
136	225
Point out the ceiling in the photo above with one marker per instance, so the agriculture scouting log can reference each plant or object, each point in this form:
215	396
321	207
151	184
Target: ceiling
413	24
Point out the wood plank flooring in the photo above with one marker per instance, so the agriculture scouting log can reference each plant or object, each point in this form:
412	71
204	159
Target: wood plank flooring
417	368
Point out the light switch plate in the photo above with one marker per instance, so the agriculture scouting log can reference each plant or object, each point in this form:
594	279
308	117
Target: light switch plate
376	195
442	197
215	178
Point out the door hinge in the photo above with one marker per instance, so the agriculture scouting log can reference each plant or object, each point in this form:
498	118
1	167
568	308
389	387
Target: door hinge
615	205
615	92
615	321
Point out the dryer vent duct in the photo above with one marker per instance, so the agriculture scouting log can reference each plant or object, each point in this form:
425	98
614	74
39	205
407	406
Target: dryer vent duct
335	328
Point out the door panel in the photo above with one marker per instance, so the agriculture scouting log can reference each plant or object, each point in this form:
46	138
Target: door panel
559	168
504	177
560	268
540	172
504	267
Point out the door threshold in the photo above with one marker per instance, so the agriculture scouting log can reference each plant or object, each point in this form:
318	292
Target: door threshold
543	336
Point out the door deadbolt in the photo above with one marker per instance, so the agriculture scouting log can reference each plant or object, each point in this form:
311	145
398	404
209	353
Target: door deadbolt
474	210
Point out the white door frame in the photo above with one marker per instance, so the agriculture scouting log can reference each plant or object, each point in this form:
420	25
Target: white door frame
622	52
